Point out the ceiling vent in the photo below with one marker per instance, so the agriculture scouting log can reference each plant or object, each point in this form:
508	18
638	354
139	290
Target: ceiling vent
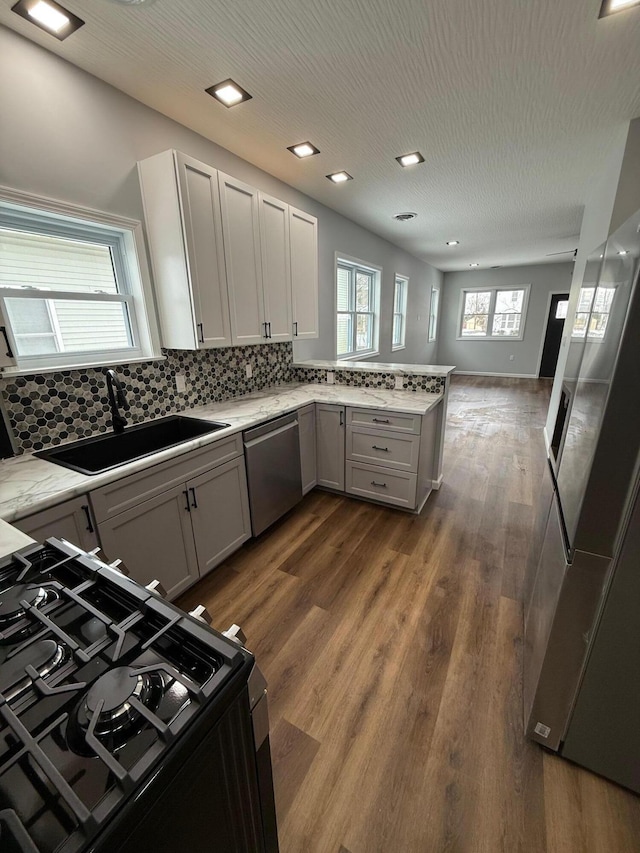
404	217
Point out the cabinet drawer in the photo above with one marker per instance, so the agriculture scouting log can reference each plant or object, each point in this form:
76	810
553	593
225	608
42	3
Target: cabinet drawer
379	447
128	492
392	421
381	484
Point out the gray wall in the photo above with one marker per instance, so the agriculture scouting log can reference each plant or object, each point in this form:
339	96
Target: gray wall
70	136
489	357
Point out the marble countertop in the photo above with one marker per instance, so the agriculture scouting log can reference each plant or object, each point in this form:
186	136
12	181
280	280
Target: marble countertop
380	367
12	539
29	484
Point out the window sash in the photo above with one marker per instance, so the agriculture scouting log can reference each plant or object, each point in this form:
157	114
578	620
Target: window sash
485	322
433	314
399	319
351	314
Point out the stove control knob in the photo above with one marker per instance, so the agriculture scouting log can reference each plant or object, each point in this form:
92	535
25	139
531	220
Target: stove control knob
236	634
200	612
119	566
156	587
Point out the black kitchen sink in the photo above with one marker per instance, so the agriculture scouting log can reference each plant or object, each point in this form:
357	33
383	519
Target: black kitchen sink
95	455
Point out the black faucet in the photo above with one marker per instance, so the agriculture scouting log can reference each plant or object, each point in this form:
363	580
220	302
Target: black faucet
116	399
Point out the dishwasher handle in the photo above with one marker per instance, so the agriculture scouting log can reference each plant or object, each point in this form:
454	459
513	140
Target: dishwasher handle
268	435
269	427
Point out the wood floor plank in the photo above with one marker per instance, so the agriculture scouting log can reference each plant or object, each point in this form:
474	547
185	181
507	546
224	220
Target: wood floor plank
392	644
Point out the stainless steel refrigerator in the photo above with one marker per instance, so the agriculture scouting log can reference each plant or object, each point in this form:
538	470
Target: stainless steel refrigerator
582	618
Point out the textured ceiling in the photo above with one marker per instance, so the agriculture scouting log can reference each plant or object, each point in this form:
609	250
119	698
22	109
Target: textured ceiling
512	102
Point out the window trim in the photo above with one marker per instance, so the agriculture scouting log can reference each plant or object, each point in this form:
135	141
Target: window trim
133	270
349	260
588	338
435	314
494	290
404	280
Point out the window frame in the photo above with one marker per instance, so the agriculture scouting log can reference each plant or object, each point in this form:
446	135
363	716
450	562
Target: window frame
432	331
403	281
124	237
587	336
355	264
493	290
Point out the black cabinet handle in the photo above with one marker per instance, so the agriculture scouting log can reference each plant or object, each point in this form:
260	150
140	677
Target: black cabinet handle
186	494
382	485
87	513
375	447
9	352
295	329
201	333
341	418
269	324
381	420
193	495
265	330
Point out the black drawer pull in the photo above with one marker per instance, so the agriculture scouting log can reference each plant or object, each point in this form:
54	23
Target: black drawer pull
9	352
381	420
295	331
375	447
186	494
382	485
193	495
90	526
200	333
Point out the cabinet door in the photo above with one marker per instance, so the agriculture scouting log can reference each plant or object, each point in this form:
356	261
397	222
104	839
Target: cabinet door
276	266
71	520
7	353
303	230
154	540
307	433
219	513
241	237
330	446
200	203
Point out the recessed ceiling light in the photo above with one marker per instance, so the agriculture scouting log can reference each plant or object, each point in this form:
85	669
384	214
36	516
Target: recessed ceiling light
453	242
339	177
610	7
623	252
49	16
474	265
228	93
410	159
303	149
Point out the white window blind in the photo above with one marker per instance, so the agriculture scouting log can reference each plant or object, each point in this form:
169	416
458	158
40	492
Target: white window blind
356	314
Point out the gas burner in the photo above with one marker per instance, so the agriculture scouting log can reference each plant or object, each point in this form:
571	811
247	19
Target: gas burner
12	610
111	698
44	656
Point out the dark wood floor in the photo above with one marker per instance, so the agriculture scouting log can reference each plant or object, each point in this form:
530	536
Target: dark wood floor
393	648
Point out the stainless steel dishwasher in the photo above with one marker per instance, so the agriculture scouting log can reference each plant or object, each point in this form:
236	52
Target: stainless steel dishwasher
272	453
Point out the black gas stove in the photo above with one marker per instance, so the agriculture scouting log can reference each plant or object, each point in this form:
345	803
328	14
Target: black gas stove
115	709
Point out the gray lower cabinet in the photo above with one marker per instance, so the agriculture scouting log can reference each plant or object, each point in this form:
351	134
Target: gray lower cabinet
330	420
180	532
155	541
307	433
71	520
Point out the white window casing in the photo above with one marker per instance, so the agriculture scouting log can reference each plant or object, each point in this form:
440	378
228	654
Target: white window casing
433	315
74	286
399	321
493	313
357	308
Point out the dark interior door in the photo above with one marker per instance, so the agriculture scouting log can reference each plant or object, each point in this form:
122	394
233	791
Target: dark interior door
553	336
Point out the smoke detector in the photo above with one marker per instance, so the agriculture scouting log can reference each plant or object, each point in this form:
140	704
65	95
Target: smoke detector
404	217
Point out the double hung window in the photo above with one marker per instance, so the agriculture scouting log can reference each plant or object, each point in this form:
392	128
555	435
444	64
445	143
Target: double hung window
592	312
493	313
399	312
70	290
357	300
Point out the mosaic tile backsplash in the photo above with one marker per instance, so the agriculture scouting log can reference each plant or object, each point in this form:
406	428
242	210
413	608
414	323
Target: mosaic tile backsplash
367	379
50	408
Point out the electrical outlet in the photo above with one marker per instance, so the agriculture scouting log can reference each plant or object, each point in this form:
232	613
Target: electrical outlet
398	383
511	357
248	370
181	383
331	377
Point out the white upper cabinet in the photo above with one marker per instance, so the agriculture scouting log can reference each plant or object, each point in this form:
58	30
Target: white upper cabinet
276	266
184	228
303	230
239	203
231	264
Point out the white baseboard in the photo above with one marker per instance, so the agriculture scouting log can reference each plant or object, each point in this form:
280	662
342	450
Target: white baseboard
435	484
486	373
547	443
